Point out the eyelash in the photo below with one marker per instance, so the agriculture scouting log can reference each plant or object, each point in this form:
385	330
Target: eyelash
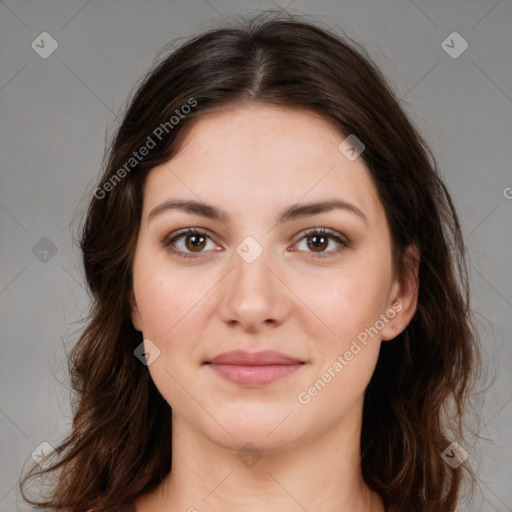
332	235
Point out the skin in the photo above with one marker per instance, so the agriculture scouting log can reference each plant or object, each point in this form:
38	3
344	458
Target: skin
253	161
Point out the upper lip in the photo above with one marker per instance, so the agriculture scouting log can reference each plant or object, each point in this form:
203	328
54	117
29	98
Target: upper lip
243	358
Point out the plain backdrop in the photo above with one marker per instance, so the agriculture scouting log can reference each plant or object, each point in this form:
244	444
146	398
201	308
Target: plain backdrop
55	114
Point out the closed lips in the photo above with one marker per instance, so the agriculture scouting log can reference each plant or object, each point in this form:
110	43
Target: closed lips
262	358
255	369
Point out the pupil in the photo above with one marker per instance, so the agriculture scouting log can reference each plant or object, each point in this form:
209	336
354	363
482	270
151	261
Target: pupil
317	245
196	240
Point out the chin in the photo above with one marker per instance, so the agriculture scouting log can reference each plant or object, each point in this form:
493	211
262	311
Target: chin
255	439
270	427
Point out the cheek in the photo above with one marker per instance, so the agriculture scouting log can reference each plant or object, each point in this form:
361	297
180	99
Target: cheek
344	301
159	305
164	296
172	314
333	393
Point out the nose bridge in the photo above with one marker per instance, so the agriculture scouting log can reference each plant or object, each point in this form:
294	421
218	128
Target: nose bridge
252	294
251	275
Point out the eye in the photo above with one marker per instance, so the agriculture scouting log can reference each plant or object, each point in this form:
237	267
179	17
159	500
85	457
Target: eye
190	239
193	242
318	239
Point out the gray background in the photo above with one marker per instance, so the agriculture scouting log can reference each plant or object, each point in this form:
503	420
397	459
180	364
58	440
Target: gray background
55	113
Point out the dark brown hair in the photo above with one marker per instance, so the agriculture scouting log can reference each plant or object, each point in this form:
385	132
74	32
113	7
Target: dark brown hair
119	444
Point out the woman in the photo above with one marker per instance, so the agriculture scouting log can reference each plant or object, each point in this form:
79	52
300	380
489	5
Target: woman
280	300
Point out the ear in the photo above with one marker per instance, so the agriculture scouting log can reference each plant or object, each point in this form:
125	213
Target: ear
135	314
404	296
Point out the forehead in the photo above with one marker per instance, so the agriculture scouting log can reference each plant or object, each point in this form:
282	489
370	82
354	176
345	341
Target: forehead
262	157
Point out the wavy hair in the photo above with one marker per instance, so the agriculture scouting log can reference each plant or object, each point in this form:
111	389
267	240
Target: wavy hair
118	447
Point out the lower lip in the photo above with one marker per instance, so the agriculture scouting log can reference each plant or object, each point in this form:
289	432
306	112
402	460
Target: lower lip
254	375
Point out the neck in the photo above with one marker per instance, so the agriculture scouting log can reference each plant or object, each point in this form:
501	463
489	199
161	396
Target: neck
318	474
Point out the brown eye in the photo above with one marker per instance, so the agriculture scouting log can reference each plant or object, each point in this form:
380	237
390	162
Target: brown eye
318	243
189	243
195	242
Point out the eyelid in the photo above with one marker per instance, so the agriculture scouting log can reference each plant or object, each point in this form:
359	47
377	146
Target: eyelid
323	231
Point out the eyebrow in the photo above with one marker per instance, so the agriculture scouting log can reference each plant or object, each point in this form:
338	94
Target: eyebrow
291	213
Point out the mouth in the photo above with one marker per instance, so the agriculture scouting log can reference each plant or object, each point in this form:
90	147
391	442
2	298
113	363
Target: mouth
252	369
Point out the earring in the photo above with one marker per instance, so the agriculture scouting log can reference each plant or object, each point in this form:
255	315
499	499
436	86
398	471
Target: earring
395	328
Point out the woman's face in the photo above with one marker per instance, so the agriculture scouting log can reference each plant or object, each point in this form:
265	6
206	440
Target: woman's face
254	279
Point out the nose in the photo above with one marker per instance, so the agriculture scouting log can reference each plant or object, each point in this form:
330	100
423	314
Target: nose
254	295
